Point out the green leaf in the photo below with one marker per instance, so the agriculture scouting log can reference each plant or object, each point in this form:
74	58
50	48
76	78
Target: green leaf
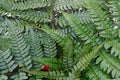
108	44
3	77
82	31
53	63
85	60
50	74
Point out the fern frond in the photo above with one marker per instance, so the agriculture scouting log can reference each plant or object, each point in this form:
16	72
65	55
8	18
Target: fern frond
95	73
85	60
18	46
56	35
61	21
68	54
2	23
114	45
115	13
52	62
65	35
4	6
4	43
35	16
71	76
35	46
58	75
19	76
67	4
109	63
79	52
2	12
68	31
115	10
7	64
49	46
29	15
3	77
32	4
36	50
83	32
83	16
100	18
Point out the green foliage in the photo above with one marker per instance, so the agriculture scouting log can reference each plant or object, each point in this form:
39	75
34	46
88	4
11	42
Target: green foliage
20	76
35	45
66	4
19	47
83	32
114	45
95	73
66	35
30	4
100	18
3	77
49	46
7	64
115	12
85	60
4	42
55	35
67	61
52	74
53	63
109	63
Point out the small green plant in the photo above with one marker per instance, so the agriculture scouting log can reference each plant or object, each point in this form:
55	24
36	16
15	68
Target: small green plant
59	39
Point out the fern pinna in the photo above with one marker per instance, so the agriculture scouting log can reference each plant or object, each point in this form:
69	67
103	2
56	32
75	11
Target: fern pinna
59	39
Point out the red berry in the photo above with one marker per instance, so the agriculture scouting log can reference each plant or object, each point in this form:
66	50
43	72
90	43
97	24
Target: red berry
45	68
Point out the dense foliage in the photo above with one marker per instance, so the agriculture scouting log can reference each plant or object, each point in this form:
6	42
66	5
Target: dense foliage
59	39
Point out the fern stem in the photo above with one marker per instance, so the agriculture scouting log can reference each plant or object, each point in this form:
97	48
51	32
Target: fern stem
53	14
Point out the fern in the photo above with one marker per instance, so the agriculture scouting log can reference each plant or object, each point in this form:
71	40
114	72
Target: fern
55	35
52	62
49	46
20	76
95	73
35	45
61	21
68	54
4	42
19	47
7	64
3	77
85	60
83	32
114	45
100	18
30	4
83	16
81	52
57	75
108	64
51	74
72	77
69	31
114	8
65	35
36	16
67	4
